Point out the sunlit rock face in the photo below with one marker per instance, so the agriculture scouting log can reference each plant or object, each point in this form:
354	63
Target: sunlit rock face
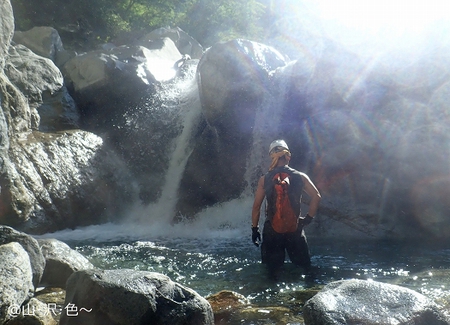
61	180
134	297
185	43
234	80
6	28
108	82
57	178
364	302
44	41
51	106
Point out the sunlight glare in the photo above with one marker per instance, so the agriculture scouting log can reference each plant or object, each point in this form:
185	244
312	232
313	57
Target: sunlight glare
390	15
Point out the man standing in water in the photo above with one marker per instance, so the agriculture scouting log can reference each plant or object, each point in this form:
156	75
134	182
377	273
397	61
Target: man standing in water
282	186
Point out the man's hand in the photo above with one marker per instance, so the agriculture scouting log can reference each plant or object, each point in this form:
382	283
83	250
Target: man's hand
256	236
304	221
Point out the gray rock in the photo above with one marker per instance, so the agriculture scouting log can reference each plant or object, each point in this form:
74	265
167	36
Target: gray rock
139	65
16	284
60	262
35	312
19	116
31	246
184	42
6	28
42	83
369	302
44	41
128	297
66	179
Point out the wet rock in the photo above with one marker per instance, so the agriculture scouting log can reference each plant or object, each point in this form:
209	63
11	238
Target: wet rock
226	306
60	262
106	84
139	65
31	246
16	284
271	315
234	80
184	42
368	302
133	297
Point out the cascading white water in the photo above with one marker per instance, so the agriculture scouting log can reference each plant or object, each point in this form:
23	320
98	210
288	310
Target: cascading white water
163	209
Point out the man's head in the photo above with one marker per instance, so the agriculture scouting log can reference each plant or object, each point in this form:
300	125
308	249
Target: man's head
280	154
278	145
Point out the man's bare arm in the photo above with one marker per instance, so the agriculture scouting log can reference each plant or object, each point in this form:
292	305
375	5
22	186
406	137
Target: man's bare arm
313	193
259	198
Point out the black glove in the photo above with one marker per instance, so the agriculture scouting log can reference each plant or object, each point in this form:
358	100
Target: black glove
306	220
256	236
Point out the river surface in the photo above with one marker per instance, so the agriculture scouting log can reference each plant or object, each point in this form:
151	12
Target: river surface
224	258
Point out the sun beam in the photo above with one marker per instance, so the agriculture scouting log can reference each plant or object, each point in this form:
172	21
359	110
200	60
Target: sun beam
377	23
394	15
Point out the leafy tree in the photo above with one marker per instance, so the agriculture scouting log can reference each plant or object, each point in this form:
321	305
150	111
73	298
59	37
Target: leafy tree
208	21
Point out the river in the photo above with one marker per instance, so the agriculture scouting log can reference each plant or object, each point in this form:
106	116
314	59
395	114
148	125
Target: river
215	253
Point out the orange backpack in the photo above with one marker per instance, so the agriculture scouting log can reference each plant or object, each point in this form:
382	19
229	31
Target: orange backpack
284	218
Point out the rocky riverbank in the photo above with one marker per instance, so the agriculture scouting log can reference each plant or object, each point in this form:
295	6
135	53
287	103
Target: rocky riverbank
44	281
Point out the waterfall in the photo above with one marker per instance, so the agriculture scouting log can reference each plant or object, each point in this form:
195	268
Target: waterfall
180	96
165	207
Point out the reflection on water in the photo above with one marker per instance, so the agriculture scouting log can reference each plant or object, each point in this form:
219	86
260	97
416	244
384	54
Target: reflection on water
210	265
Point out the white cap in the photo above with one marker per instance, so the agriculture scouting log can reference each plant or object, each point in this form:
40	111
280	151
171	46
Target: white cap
278	143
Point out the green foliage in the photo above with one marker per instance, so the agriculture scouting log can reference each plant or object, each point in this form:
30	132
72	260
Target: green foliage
208	21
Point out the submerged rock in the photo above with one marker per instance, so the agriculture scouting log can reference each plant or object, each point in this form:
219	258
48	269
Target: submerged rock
130	297
227	306
368	302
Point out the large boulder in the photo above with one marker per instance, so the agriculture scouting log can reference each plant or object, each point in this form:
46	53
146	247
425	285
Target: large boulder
185	43
370	302
60	180
42	40
60	262
107	83
16	276
234	79
30	245
131	297
41	82
6	29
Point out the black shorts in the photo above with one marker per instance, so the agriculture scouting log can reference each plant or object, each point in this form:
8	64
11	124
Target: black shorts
274	246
